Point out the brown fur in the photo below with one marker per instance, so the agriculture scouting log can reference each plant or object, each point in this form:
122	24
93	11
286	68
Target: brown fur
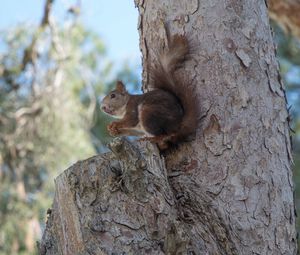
164	78
167	114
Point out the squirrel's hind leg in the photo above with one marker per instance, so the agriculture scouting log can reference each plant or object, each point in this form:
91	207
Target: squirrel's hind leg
162	141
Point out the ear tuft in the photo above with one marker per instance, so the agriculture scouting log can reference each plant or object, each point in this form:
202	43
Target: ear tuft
120	87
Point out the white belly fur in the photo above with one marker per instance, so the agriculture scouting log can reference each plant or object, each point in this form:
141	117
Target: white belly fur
139	126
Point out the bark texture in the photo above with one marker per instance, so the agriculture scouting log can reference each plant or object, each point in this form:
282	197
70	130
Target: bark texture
241	156
230	190
287	14
116	203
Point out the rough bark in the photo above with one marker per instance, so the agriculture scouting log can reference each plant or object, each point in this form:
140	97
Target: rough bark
230	190
116	203
287	14
241	155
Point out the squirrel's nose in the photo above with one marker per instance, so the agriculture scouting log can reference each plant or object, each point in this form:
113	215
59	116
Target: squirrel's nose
103	108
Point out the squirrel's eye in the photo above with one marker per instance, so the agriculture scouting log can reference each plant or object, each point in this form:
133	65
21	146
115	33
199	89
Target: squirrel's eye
112	96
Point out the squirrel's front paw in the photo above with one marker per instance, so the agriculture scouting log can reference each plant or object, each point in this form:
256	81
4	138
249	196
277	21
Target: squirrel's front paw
113	129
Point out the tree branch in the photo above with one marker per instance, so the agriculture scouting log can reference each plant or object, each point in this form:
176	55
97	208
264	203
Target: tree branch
47	9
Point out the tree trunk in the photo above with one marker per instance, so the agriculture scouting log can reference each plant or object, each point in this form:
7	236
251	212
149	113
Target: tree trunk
230	190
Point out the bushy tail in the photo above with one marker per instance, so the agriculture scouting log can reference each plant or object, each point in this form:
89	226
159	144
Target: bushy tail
163	77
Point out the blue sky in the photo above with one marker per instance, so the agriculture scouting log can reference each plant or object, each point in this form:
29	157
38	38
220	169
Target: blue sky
114	20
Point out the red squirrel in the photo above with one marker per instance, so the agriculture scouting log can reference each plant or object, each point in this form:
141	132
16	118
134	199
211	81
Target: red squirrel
165	115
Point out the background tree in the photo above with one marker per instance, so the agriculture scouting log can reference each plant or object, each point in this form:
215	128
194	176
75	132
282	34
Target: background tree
228	192
50	77
286	14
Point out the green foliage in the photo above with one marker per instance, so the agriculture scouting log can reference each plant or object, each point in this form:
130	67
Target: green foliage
49	119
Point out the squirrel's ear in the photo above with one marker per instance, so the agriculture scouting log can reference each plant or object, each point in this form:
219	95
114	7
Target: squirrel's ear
120	87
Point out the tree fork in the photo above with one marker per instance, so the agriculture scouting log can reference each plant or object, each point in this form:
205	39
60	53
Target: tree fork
229	191
113	203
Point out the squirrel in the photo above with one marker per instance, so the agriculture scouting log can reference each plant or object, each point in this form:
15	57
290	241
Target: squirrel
165	115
